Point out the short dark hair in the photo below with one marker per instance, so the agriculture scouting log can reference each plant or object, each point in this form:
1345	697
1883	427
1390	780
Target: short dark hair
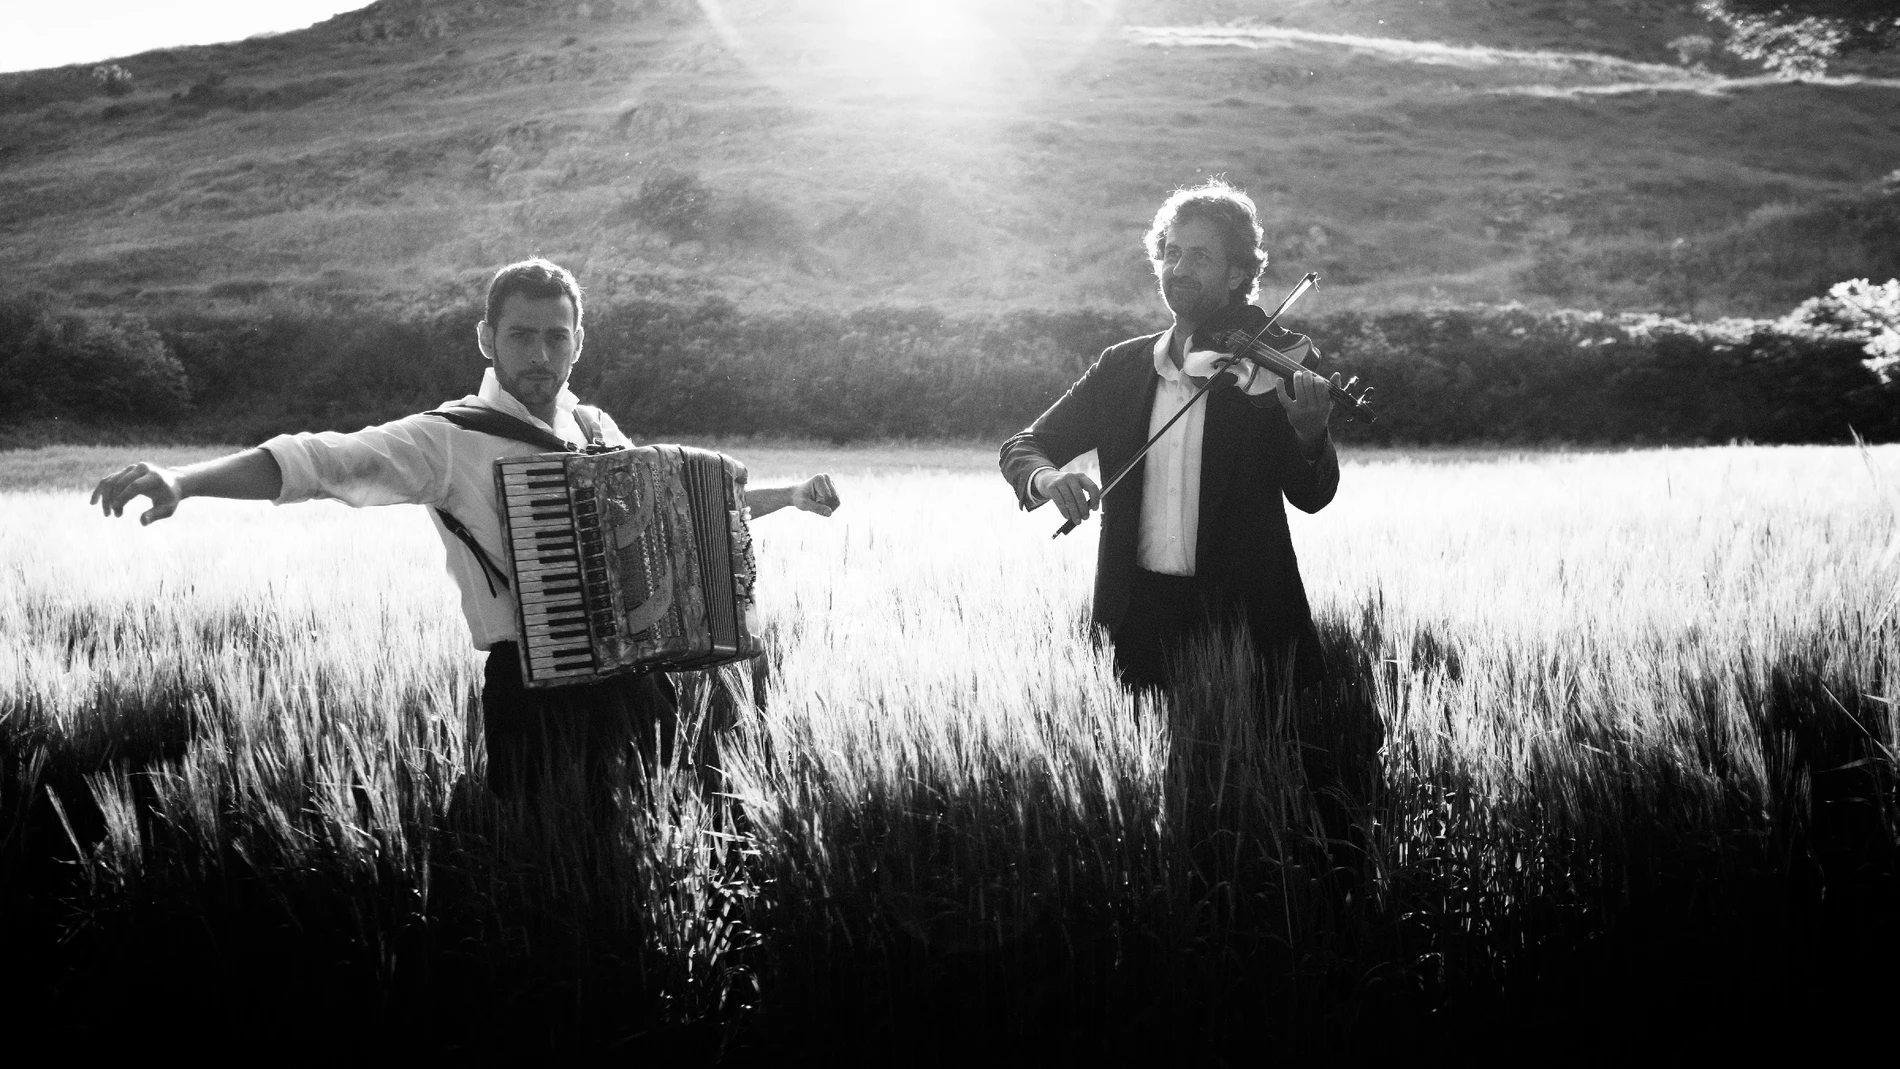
1228	207
531	278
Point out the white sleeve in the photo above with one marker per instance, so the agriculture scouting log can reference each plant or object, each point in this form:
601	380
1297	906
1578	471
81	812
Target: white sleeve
406	462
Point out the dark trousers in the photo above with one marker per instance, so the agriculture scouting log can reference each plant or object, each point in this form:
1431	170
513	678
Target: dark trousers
1167	612
1339	732
587	731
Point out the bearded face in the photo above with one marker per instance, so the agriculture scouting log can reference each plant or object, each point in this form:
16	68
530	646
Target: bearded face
1195	276
533	347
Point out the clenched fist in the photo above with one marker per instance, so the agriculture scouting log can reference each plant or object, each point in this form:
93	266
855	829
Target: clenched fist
816	494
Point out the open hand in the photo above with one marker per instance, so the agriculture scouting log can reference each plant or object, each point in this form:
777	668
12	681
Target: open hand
1309	404
139	480
816	494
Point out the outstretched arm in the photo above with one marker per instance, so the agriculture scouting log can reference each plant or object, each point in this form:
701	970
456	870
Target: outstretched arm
252	475
815	494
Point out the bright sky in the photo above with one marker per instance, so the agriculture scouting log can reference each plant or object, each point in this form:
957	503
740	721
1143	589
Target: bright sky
53	33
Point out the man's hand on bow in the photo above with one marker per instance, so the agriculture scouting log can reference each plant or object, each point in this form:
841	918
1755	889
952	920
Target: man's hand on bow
1075	495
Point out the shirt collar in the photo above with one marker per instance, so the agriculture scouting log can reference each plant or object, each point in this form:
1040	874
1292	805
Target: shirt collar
1164	367
501	400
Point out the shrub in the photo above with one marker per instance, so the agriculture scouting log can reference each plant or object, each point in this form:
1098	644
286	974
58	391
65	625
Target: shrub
675	203
113	80
1498	375
86	364
1859	311
1513	376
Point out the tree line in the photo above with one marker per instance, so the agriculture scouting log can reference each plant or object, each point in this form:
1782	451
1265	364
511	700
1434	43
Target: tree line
666	371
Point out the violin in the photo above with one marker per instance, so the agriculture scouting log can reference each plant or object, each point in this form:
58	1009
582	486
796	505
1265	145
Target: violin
1230	333
1248	344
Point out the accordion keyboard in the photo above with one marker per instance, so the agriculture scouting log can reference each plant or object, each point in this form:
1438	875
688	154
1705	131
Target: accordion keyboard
630	560
551	546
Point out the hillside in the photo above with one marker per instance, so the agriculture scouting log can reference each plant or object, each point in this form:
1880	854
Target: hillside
963	155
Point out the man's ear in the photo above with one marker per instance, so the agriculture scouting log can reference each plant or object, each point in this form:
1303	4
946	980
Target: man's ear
485	340
580	338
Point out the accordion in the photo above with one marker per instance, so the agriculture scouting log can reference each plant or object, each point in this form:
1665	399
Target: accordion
627	560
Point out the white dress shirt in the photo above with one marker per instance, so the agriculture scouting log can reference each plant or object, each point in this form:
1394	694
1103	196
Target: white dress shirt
421	460
1171	479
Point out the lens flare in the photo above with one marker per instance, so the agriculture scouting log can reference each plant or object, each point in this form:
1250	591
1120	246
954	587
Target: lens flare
945	50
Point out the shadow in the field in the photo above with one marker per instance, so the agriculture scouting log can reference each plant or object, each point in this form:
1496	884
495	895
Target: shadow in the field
404	898
1191	915
48	811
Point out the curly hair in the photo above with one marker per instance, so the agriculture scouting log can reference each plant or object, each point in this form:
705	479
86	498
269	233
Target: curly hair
534	277
1228	207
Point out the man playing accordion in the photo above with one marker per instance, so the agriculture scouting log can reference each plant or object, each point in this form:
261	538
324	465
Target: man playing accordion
531	335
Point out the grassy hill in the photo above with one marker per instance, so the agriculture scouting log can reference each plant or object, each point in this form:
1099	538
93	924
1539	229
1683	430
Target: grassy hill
963	155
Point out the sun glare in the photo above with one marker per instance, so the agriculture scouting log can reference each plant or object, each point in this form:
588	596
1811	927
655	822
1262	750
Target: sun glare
935	40
947	50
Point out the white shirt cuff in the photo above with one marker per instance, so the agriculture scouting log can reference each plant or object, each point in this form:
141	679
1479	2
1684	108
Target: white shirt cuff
1034	497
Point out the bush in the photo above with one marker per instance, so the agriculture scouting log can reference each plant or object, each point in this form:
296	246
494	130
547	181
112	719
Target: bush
86	364
1513	376
112	79
1507	376
1857	310
675	203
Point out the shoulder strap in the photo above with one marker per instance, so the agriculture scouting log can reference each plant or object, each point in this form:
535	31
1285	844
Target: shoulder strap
502	425
490	570
484	420
588	420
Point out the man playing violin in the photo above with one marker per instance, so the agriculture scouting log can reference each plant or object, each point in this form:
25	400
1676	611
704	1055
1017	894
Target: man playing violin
1195	537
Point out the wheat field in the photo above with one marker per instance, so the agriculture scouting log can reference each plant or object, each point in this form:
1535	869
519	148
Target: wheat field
1630	700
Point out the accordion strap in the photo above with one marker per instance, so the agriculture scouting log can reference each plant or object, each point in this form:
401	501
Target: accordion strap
484	420
490	571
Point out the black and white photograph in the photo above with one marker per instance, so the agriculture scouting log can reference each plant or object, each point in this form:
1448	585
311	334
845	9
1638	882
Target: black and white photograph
950	532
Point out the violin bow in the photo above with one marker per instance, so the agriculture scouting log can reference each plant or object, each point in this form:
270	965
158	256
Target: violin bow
1306	283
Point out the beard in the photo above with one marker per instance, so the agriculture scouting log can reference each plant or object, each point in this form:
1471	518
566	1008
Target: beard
533	388
1192	301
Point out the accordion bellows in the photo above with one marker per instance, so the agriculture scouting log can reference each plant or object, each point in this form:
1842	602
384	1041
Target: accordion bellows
630	560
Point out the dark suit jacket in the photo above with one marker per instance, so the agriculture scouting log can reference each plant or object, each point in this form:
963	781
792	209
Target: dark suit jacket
1250	460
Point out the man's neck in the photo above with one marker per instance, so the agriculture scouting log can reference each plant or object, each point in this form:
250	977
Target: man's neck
1178	336
544	413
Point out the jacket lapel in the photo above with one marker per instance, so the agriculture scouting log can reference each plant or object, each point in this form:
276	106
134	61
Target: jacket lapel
1137	400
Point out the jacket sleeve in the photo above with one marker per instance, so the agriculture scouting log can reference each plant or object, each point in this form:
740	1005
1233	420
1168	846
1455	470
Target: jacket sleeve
1309	484
1065	431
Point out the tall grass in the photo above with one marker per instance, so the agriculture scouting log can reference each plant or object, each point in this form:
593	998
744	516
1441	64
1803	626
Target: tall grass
1637	738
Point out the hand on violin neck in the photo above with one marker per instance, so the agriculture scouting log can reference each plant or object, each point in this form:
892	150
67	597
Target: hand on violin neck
1308	405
